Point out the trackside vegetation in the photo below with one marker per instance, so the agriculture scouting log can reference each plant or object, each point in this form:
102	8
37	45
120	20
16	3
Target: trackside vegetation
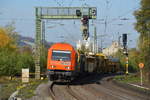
142	26
13	58
134	59
140	54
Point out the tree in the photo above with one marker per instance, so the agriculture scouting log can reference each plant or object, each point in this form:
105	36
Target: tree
8	63
134	59
12	58
24	60
5	40
133	56
8	50
10	30
143	27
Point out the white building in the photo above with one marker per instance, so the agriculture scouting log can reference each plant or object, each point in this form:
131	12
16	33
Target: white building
112	49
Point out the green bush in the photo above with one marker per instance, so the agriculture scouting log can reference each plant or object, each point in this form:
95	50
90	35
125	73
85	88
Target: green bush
134	59
11	63
12	57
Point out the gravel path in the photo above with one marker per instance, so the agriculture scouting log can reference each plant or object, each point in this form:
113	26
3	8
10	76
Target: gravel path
42	92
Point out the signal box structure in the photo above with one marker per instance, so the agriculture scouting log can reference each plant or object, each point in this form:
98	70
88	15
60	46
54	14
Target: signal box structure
81	13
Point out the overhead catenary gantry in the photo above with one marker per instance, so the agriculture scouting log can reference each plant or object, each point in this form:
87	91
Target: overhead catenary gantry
82	13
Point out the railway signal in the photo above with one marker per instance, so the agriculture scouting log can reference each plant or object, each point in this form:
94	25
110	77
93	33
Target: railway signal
124	40
78	13
141	66
42	13
85	27
127	61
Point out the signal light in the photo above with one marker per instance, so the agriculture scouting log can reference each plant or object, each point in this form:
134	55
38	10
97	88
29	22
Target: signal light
124	40
78	13
94	12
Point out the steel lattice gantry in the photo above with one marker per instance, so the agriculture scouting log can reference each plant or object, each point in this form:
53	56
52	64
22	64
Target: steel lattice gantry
82	13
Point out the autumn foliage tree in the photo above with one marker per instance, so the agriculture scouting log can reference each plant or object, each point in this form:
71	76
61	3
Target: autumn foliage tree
143	27
12	57
5	40
7	53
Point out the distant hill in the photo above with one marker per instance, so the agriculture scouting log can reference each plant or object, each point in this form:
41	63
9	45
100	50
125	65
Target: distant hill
28	41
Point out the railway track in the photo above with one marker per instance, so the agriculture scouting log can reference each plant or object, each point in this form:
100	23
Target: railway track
67	88
72	93
99	89
105	88
91	88
51	91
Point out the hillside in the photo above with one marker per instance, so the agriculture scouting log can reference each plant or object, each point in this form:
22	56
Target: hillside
28	41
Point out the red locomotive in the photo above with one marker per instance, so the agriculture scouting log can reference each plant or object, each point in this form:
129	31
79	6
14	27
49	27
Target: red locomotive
62	62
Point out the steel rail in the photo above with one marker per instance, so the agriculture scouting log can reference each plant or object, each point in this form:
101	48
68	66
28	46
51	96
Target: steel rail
72	93
51	91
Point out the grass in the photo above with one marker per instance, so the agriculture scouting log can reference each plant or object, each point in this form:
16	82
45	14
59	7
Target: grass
127	78
25	90
134	79
28	90
8	87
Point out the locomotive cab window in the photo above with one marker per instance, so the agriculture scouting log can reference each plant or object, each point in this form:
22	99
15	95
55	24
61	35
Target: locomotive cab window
58	55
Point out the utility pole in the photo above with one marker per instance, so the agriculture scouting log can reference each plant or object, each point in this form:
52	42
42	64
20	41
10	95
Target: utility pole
43	33
101	44
124	39
119	37
127	61
95	40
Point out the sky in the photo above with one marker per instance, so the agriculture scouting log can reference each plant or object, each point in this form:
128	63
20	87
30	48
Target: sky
22	12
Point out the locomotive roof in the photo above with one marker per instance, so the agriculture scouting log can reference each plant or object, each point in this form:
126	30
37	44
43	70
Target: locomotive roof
61	46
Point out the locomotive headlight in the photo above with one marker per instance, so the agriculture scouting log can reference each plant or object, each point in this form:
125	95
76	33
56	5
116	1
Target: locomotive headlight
53	66
67	67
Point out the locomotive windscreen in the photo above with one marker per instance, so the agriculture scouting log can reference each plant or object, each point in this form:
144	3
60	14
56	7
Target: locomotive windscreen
58	55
